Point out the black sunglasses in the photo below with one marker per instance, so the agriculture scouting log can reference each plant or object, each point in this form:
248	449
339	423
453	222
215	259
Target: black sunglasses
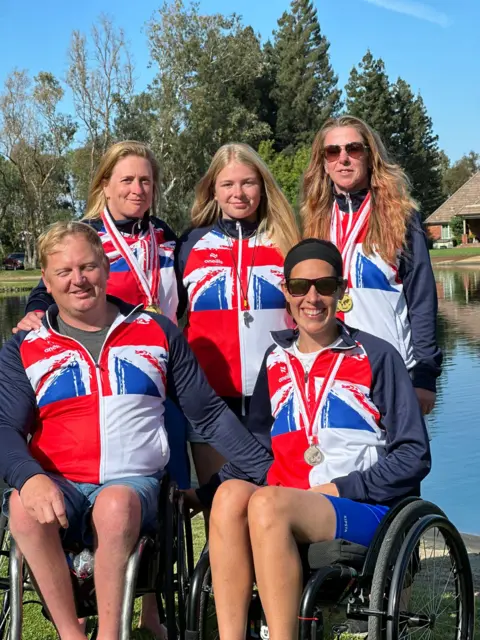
354	149
323	286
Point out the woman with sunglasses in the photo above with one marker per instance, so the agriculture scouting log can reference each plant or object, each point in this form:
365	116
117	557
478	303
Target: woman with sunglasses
336	408
230	267
355	196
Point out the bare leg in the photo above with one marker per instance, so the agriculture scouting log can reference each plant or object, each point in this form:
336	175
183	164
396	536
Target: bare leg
231	557
116	520
278	518
149	617
207	461
41	546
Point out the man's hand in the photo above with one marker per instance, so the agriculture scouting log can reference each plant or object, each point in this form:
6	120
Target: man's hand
43	500
33	320
426	399
330	489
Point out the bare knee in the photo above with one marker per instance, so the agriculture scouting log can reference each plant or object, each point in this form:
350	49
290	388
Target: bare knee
266	509
231	503
117	513
21	523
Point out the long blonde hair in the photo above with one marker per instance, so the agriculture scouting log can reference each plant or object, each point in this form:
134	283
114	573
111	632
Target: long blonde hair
392	204
96	200
274	214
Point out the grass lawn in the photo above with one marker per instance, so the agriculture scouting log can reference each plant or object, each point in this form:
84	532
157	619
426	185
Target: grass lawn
456	252
18	280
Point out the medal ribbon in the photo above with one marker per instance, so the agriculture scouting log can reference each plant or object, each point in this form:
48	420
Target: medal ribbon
310	418
346	242
148	284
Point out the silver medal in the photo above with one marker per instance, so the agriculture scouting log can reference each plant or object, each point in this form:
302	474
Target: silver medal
313	455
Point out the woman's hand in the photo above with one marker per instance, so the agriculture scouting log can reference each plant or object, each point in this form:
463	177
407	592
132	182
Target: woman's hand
426	399
33	320
330	489
192	501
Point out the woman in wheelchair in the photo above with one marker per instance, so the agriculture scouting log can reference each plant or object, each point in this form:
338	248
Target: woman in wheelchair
337	409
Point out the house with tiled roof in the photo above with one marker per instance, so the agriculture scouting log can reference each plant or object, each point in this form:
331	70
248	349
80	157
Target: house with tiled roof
465	203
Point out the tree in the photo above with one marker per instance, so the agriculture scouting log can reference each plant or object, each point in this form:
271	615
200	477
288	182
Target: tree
100	75
206	94
305	88
369	98
415	147
286	168
456	175
34	137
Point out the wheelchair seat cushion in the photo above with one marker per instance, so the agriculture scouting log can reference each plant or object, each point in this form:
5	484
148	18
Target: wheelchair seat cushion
323	554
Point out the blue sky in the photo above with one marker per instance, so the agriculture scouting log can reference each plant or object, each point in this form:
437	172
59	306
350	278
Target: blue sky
430	43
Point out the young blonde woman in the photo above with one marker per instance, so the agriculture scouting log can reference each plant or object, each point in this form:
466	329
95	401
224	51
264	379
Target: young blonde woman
355	196
140	247
230	268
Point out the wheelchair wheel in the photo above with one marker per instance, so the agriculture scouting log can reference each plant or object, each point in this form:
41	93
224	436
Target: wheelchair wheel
431	592
208	627
4	579
387	557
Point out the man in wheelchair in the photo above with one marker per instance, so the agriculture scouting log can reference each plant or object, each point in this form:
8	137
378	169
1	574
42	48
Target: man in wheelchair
337	409
89	387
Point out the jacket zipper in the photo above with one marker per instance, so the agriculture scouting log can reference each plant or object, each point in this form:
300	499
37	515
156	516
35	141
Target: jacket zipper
101	411
240	313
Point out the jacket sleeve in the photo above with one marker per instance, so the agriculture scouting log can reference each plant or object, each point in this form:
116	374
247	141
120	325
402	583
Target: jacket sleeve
17	417
406	459
181	253
259	423
208	414
421	296
39	299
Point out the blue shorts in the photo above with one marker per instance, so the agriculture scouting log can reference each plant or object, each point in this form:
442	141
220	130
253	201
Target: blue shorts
80	497
356	521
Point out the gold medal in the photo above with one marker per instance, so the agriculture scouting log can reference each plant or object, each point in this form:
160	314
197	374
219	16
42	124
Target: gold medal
153	308
345	304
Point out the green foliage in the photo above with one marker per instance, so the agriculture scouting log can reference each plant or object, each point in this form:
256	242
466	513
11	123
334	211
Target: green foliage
369	97
287	169
305	89
456	175
456	225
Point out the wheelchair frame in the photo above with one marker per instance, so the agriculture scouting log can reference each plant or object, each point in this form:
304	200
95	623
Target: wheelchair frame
371	592
161	564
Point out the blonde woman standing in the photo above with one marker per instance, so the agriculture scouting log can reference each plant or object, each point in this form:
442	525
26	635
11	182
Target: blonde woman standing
355	196
230	270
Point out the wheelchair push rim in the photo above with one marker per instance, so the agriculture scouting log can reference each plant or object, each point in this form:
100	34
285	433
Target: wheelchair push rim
431	593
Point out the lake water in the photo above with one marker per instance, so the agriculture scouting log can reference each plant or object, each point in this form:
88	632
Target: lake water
454	425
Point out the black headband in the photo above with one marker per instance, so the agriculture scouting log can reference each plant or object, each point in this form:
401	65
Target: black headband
313	249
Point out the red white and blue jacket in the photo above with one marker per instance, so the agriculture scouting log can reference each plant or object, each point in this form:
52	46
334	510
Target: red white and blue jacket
94	422
396	302
121	281
229	349
371	430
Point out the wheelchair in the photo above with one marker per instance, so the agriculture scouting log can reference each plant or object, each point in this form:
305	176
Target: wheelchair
413	580
160	563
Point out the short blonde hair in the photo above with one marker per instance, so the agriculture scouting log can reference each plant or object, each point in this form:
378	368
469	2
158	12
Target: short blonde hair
96	201
57	232
275	216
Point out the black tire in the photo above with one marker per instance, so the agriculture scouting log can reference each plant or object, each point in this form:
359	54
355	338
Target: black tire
387	557
170	553
182	568
207	623
449	613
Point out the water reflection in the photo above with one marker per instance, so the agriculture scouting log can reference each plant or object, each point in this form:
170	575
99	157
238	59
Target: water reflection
453	482
453	424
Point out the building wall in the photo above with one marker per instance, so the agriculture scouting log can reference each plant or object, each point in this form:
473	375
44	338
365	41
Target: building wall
434	231
474	226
